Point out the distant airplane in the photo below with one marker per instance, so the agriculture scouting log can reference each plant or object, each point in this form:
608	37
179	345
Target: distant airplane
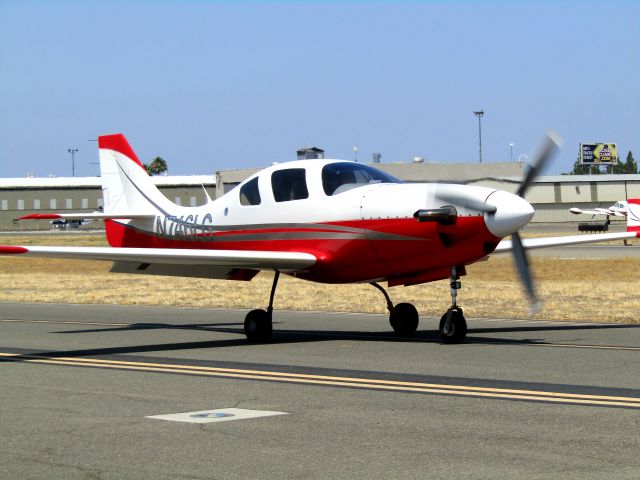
329	221
618	209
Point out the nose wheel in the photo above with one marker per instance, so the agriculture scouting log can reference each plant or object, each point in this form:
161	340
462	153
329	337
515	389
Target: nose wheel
453	326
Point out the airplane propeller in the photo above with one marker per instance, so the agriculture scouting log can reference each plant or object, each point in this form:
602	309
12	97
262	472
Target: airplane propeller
457	196
547	149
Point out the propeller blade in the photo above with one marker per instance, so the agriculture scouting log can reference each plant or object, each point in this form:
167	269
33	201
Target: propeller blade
524	272
550	145
460	199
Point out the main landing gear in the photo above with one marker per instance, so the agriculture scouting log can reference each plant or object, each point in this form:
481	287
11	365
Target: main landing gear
258	324
403	317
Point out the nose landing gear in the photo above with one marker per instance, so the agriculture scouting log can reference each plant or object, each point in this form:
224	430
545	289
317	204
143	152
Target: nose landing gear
453	326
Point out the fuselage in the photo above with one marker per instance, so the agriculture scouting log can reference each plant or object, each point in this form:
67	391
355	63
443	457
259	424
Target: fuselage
358	221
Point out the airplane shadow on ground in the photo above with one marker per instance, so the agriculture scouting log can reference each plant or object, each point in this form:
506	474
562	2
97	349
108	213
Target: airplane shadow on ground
299	336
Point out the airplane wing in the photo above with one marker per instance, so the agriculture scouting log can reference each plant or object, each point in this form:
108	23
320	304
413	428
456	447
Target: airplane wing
547	242
227	264
597	211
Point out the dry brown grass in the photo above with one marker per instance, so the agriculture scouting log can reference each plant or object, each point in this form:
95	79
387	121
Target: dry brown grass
581	290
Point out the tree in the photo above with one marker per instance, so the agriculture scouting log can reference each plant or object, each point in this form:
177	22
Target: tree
630	165
157	166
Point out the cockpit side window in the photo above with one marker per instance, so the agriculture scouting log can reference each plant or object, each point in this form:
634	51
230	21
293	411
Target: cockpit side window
249	193
340	177
289	184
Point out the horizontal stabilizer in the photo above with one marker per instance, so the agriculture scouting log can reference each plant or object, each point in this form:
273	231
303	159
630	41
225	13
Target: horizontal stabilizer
87	216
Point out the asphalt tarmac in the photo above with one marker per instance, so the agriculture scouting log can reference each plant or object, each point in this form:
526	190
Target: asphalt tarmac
520	399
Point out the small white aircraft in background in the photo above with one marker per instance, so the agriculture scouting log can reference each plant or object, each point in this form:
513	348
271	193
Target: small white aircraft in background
618	209
329	221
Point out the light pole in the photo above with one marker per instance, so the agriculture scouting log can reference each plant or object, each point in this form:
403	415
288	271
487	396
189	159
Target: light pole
73	151
511	152
522	155
355	154
479	114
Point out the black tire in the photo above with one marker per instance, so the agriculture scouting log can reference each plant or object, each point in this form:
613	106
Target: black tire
258	326
404	319
459	324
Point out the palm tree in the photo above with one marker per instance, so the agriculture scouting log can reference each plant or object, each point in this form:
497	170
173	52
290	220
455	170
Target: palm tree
157	166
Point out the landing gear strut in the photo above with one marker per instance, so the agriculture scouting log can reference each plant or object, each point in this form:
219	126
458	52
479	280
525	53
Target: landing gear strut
258	323
453	326
402	317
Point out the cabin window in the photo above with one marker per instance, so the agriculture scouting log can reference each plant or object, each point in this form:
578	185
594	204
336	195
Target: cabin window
289	184
340	177
249	193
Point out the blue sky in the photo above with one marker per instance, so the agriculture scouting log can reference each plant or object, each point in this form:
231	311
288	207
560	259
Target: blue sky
219	85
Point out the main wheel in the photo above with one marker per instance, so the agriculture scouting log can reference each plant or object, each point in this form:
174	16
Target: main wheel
458	331
404	319
258	326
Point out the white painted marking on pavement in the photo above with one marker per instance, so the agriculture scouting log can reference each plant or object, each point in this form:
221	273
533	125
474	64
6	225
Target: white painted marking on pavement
214	416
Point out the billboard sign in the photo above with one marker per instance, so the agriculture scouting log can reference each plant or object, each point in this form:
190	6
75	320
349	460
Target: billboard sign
598	154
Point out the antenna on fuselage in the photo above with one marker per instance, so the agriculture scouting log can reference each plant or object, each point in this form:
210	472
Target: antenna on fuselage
206	194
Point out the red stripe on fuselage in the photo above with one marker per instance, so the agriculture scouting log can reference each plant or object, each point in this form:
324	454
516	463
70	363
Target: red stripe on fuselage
418	247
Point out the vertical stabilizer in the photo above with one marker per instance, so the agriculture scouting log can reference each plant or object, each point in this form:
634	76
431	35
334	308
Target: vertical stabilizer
126	186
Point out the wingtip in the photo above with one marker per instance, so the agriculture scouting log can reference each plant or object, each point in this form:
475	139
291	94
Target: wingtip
41	216
12	250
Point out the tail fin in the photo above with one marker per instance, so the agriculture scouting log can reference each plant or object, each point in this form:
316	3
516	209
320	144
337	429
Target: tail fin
633	215
127	191
126	186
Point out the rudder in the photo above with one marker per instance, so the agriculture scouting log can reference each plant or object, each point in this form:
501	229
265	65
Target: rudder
126	186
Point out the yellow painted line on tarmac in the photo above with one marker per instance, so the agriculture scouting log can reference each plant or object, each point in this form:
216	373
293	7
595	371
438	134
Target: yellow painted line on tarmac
351	382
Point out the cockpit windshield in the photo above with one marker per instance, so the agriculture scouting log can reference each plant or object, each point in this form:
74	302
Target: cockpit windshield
340	177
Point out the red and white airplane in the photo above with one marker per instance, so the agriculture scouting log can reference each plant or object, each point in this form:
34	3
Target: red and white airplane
329	221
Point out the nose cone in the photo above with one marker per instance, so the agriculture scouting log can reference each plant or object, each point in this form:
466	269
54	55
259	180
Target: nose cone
512	213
